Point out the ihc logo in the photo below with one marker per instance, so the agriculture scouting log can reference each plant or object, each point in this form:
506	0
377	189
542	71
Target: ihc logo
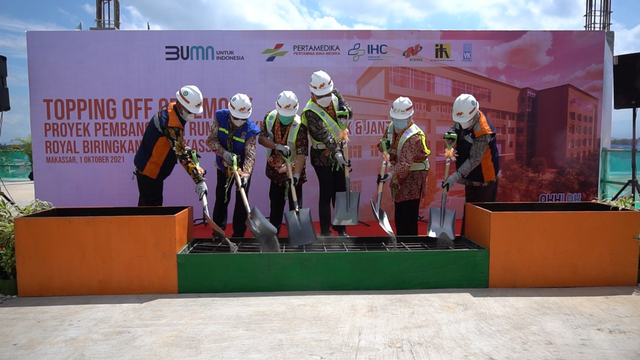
275	52
356	52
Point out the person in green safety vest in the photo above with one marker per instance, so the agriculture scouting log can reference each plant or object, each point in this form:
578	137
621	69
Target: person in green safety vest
284	131
326	115
408	154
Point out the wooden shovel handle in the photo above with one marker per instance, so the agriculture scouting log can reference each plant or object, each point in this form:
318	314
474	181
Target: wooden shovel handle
294	196
383	170
242	193
345	154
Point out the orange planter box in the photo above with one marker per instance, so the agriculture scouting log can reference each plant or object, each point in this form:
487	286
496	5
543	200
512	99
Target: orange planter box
556	244
101	251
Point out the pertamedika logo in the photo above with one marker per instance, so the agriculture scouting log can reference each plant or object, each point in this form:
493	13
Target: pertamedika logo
412	51
442	52
199	52
275	52
316	50
374	52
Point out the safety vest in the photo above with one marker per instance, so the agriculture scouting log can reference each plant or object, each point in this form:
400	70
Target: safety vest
293	131
490	162
334	126
412	130
155	157
239	137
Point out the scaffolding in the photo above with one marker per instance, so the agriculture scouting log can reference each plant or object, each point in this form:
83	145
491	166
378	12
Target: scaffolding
597	15
107	15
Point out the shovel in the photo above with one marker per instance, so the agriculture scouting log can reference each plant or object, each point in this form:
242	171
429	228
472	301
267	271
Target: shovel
442	221
299	223
347	203
205	206
205	210
259	226
380	215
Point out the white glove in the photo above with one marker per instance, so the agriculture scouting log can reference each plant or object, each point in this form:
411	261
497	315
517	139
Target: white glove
340	159
284	149
201	189
296	179
228	157
451	180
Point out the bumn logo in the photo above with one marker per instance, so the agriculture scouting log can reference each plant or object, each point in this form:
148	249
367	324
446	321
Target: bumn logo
197	52
273	53
466	52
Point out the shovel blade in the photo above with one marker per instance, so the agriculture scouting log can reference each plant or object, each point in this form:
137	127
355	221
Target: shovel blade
263	231
344	215
447	229
300	227
383	220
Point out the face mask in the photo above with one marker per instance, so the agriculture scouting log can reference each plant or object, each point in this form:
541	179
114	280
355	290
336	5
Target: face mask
400	124
238	122
187	116
324	101
466	125
286	120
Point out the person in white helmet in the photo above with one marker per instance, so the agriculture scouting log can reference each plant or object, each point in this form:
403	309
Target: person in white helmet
326	115
285	135
163	145
233	133
408	154
478	160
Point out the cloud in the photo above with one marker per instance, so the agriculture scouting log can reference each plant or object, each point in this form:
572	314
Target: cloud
528	53
550	79
625	40
593	72
378	13
594	87
513	14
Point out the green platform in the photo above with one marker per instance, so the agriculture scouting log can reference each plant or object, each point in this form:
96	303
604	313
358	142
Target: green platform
205	266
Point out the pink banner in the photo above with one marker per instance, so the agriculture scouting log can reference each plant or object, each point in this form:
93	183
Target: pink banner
92	94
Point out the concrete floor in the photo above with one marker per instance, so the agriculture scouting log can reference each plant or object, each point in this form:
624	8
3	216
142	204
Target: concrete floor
562	323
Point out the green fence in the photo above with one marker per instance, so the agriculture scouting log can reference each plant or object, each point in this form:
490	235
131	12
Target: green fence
616	171
15	165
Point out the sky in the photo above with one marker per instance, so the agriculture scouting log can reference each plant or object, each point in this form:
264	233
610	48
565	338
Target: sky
19	16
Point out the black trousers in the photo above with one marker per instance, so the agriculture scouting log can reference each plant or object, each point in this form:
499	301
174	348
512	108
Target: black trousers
406	215
479	194
276	196
220	211
150	190
330	182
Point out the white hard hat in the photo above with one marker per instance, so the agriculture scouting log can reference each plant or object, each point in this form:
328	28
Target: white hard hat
402	108
240	106
191	98
287	103
464	108
320	83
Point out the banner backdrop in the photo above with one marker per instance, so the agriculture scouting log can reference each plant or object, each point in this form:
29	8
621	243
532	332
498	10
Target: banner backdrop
92	94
